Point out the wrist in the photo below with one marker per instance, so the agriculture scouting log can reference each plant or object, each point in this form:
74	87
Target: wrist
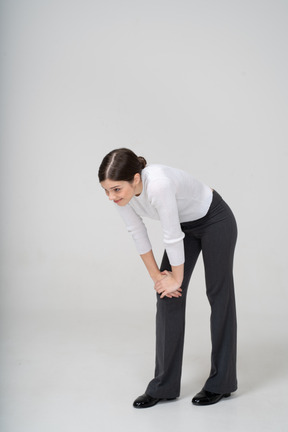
178	274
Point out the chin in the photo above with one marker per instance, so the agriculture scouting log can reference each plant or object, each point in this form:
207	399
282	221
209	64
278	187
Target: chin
120	203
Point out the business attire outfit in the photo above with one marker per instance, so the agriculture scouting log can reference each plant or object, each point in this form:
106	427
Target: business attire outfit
194	218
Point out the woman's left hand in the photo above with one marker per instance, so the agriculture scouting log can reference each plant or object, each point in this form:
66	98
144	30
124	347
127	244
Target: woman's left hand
168	286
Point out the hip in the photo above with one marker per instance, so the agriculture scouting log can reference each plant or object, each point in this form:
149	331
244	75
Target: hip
219	212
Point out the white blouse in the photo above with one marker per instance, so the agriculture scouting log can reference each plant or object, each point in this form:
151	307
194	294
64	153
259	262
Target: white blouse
171	196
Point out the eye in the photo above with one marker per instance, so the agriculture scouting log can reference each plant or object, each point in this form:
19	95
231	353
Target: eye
116	189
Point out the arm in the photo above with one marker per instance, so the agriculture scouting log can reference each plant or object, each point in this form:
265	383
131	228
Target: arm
151	265
163	198
136	227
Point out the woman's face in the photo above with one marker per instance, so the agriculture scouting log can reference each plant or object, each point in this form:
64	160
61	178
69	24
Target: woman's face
121	192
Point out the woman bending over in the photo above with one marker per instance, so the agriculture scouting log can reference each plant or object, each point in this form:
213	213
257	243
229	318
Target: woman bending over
193	218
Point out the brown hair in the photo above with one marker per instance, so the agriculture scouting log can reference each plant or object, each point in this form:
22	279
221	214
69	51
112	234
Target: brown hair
121	165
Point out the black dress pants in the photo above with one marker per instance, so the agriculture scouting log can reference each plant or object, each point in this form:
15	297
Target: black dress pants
215	235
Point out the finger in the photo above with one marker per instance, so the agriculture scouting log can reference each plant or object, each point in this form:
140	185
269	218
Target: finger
162	291
173	295
178	291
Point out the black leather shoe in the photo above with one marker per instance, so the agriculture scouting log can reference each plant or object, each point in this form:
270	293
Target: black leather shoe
146	401
204	397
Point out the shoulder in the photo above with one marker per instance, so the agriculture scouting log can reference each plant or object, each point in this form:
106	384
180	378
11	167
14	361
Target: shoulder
156	176
157	172
158	184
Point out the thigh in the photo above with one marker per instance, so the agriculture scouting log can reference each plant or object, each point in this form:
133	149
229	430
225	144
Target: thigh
218	245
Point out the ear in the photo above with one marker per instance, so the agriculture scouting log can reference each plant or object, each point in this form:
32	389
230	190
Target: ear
137	178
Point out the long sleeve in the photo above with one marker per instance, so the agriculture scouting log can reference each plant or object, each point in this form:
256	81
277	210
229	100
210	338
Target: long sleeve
163	199
137	228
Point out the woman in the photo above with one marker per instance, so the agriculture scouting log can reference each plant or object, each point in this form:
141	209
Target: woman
194	218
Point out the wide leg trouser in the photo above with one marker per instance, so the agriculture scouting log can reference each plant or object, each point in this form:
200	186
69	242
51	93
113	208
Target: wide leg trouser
215	235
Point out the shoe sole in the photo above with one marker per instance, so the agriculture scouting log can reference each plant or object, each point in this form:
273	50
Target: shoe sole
149	405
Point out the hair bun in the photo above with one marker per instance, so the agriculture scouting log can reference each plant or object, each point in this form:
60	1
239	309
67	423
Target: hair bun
121	165
142	161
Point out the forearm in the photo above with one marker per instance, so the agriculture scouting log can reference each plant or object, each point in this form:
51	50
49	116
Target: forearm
151	265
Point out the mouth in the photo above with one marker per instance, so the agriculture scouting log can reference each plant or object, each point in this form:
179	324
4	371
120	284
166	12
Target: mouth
117	201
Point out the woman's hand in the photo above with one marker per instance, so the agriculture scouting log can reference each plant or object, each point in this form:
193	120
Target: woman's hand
168	286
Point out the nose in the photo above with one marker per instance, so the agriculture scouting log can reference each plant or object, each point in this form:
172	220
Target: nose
111	196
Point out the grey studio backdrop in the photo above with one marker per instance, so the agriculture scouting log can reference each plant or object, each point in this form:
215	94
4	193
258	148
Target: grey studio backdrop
199	85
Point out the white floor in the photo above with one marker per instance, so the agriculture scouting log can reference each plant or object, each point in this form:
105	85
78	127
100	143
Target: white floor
81	372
